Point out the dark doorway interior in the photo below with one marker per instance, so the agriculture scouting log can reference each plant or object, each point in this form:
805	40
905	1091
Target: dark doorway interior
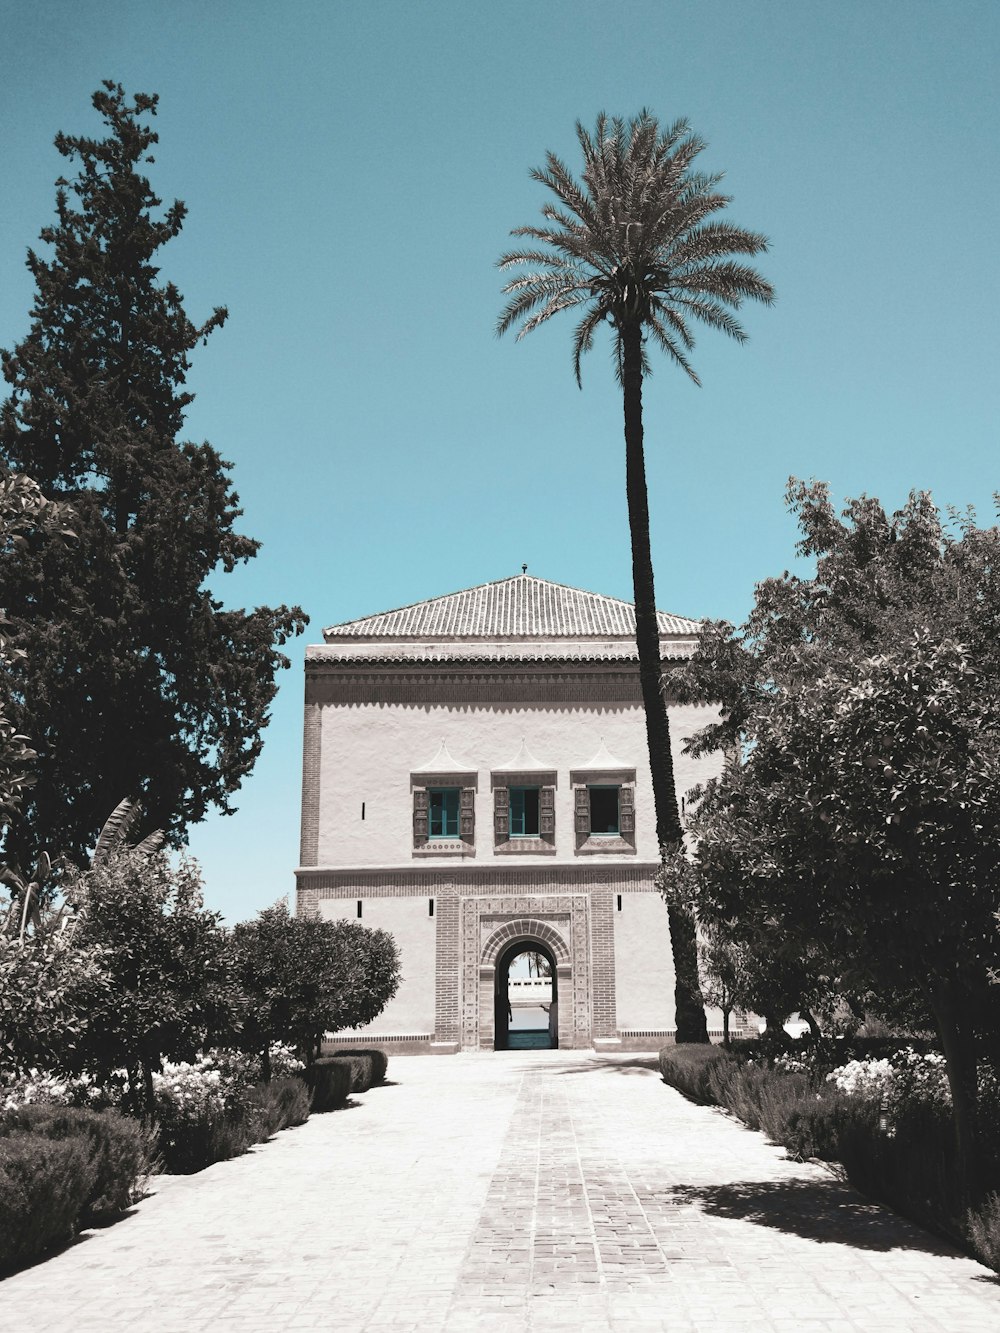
516	1028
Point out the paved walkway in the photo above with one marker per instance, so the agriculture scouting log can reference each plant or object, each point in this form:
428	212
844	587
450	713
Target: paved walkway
541	1191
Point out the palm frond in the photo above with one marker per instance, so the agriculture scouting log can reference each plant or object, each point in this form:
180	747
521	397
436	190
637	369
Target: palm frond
113	835
714	314
634	236
583	338
668	344
151	843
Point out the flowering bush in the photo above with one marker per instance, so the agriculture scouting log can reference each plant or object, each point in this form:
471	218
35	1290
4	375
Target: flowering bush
787	1063
870	1079
212	1108
36	1088
284	1061
906	1076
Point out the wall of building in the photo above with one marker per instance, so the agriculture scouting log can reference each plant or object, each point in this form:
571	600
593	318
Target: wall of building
644	967
369	751
408	920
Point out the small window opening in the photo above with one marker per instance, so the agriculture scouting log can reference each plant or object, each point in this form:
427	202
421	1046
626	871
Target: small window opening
430	906
619	902
604	810
442	812
359	907
524	803
362	809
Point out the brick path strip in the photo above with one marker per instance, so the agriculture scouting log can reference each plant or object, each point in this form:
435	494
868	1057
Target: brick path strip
543	1190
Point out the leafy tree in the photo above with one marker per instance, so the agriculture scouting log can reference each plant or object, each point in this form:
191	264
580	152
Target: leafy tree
172	991
863	823
50	986
130	675
633	245
25	517
303	977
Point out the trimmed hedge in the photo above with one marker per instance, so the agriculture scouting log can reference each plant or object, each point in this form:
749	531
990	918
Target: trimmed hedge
189	1144
62	1168
368	1067
44	1187
121	1151
330	1081
909	1164
687	1068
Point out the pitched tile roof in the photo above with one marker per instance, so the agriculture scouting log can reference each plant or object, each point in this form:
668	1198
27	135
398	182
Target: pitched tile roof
518	607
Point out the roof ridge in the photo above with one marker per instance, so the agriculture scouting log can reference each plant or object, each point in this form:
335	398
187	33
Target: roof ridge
539	597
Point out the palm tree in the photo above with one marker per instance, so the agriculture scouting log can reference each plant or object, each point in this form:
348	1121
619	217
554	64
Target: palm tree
633	244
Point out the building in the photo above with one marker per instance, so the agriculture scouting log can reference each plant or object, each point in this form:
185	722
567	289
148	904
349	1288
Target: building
476	781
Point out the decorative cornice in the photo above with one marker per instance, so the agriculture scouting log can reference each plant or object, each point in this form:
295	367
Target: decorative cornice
482	880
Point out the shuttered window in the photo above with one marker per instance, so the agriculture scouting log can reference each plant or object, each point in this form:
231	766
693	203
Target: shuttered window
604	811
525	808
443	812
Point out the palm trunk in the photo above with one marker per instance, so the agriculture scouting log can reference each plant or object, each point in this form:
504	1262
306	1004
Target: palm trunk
690	1019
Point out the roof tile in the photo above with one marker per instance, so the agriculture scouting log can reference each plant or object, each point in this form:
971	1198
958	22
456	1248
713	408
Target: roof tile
518	607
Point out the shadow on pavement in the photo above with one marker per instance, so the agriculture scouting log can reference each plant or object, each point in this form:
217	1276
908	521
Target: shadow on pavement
636	1064
828	1212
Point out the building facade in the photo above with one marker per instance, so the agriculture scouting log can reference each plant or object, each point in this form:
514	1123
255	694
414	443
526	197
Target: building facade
476	782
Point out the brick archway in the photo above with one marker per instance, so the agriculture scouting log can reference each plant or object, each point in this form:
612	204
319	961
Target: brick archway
529	930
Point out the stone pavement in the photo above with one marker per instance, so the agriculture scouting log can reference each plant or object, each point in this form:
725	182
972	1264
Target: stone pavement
537	1190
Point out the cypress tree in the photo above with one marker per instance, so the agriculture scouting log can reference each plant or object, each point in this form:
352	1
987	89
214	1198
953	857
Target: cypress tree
132	679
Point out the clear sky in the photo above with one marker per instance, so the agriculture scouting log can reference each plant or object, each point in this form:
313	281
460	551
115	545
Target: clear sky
352	171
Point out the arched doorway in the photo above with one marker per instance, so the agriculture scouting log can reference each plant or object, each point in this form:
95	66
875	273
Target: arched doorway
522	997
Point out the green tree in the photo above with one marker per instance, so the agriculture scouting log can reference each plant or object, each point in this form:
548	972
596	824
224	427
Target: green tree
172	991
26	517
130	676
634	244
863	823
302	977
50	986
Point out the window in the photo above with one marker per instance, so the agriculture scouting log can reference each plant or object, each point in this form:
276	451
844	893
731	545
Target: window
604	820
524	816
442	812
604	811
524	812
444	820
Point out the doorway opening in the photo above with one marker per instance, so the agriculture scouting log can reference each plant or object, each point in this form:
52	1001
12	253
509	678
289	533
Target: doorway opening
526	1002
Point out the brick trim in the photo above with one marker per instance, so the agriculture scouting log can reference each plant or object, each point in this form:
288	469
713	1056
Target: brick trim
311	746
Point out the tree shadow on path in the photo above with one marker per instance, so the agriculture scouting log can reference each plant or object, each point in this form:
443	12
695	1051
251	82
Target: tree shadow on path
825	1211
636	1064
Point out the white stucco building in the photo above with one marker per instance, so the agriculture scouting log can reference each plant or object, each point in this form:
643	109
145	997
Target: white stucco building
476	781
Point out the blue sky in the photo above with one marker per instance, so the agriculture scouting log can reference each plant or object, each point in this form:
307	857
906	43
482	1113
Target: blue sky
352	171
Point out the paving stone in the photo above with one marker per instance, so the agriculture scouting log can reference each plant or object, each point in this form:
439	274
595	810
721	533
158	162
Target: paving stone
517	1191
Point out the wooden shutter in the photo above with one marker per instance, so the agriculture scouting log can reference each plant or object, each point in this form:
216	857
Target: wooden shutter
501	813
467	812
547	811
420	815
582	810
626	810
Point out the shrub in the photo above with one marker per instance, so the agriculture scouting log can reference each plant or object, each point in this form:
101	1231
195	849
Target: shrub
44	1187
330	1080
816	1126
189	1143
984	1231
761	1098
120	1150
368	1067
282	1102
39	1087
687	1068
205	1111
